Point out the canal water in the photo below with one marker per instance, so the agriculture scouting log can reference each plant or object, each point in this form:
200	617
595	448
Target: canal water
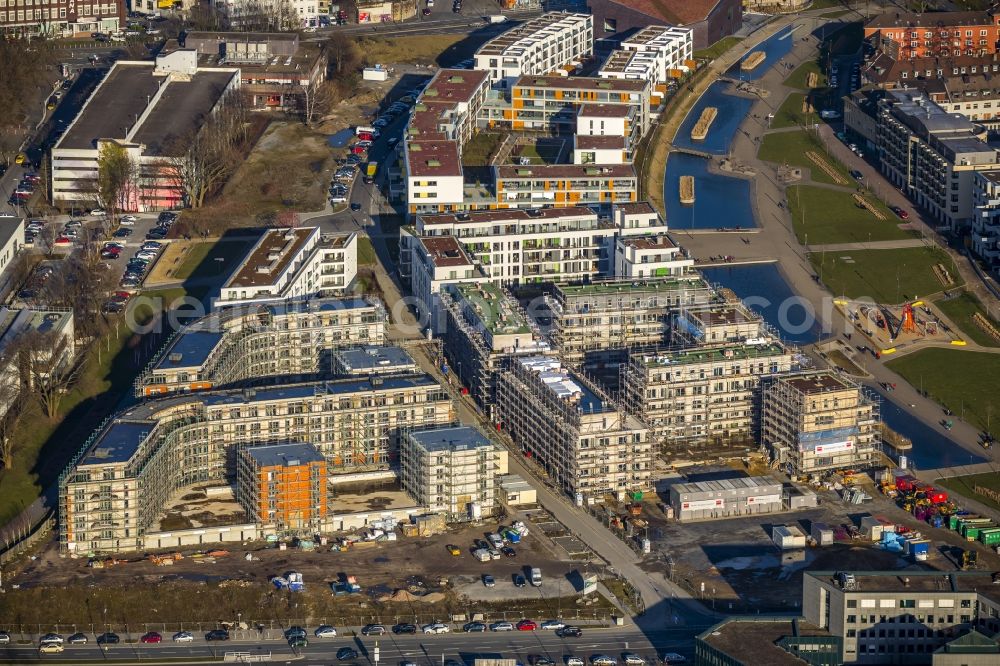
719	201
732	110
931	449
775	47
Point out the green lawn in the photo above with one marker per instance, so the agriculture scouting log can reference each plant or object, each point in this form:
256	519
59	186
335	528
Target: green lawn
961	310
797	79
791	147
831	216
963	381
717	49
478	150
887	276
366	252
964	485
202	259
790	113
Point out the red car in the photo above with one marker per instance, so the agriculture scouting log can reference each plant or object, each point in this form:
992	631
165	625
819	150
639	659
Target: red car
121	296
903	215
526	625
151	637
62	240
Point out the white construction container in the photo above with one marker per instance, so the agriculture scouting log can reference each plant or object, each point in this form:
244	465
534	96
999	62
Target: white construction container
822	534
871	528
787	537
375	74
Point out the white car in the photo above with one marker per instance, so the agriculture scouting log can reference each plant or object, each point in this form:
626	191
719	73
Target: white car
51	638
435	628
146	254
602	660
632	659
4	638
98	212
325	631
126	223
501	626
338	198
183	637
674	658
574	661
553	624
129	218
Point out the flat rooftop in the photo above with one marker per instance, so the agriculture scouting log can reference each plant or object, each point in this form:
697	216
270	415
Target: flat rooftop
491	308
820	382
604	111
433	158
636	208
755	640
650	242
889	582
114	105
182	110
270	257
564	171
588	142
511	214
451	439
445	251
710	354
285	455
654	35
587	83
636	288
190	349
454	85
723	485
16	322
118	443
375	357
519	39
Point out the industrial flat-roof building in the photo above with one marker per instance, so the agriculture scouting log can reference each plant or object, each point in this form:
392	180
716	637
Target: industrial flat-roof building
238	344
815	422
776	641
293	263
586	442
152	110
725	498
451	470
113	491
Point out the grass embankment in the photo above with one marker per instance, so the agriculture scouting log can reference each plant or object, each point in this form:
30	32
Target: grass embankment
43	447
366	252
963	381
800	77
961	310
202	260
965	485
886	276
717	49
791	147
440	50
831	216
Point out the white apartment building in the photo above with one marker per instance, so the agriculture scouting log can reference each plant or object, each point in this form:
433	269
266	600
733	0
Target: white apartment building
448	106
293	263
655	54
819	421
538	46
649	256
430	263
264	339
985	232
450	470
933	155
274	15
434	176
112	494
595	149
588	444
702	395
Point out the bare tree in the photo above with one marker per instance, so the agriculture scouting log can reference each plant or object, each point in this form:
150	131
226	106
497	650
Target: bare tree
11	403
117	178
343	52
317	96
264	16
46	367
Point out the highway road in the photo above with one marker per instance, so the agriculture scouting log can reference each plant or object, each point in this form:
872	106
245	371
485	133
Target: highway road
424	650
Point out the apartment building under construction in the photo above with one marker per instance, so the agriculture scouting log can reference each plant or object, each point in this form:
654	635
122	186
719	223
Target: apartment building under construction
597	322
702	395
114	490
819	421
588	444
243	343
485	328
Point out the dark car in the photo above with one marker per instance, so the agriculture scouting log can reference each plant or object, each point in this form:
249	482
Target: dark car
404	628
519	580
154	234
474	627
372	630
108	638
345	653
539	660
78	638
569	631
298	642
122	233
508	551
217	635
355	206
857	175
112	308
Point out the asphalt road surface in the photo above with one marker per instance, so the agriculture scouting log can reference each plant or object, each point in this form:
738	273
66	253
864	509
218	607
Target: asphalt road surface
424	650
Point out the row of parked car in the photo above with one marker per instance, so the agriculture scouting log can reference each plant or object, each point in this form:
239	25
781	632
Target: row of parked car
25	189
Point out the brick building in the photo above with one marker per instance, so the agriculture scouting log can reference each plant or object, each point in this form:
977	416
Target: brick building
942	34
60	17
710	20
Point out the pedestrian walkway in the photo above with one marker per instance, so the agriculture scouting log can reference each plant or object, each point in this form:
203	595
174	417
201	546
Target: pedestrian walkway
874	245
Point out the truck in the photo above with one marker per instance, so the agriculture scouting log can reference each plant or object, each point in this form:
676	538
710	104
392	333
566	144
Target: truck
536	577
481	554
512	535
370	170
495	539
496	18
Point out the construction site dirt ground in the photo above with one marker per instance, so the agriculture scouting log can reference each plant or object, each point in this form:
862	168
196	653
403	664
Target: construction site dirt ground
741	567
387	564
